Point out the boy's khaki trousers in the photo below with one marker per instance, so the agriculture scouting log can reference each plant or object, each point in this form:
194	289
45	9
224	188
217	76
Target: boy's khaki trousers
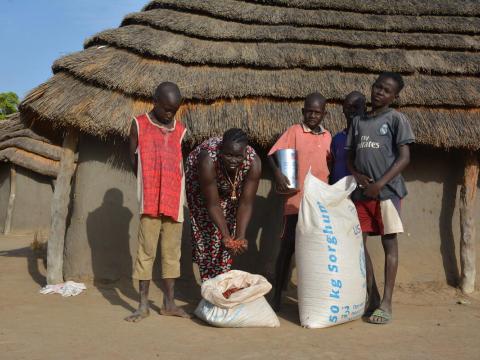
151	231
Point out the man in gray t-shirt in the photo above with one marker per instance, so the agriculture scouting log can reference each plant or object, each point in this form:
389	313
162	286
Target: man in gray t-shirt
378	151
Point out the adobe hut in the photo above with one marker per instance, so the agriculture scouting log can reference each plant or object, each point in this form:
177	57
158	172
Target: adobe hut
248	64
26	184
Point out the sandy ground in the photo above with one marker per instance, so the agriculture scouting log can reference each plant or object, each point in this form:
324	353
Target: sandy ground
428	324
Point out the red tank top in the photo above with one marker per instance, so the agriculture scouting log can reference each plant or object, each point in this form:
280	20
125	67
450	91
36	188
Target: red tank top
160	168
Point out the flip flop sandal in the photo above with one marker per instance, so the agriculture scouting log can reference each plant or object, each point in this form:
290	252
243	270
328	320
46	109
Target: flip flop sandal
367	314
380	317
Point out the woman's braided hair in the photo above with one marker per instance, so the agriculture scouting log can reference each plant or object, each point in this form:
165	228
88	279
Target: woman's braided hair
235	135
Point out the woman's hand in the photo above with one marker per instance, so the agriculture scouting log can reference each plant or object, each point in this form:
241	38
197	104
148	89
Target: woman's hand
227	241
243	245
235	246
229	244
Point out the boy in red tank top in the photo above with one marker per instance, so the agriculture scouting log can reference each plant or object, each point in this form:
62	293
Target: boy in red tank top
156	156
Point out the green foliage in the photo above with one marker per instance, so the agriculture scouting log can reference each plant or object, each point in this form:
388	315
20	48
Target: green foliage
8	104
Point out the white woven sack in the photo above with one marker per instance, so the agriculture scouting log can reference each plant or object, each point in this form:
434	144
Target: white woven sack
244	308
257	313
329	255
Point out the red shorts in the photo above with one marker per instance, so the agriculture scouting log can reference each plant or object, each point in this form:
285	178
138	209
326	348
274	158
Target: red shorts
380	217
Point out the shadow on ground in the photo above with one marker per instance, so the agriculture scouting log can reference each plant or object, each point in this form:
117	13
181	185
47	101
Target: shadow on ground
35	264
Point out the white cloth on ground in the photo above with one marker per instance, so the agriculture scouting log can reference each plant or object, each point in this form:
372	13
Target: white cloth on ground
69	288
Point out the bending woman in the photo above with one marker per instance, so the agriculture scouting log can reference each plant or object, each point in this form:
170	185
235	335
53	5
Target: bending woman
222	178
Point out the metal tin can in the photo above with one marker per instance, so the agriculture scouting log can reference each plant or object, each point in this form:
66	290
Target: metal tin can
287	162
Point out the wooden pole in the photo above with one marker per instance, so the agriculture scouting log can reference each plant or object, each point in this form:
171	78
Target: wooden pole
60	202
11	200
467	223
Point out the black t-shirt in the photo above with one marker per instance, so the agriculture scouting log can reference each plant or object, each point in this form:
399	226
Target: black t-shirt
375	140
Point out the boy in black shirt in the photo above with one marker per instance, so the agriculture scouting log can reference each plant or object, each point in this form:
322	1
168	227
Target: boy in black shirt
378	146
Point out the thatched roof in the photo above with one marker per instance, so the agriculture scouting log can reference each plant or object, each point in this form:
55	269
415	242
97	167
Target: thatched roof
249	63
21	146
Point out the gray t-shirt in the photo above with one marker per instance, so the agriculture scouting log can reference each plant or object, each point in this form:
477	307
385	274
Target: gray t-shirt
375	140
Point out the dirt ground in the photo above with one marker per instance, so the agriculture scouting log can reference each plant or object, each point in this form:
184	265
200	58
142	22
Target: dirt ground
429	323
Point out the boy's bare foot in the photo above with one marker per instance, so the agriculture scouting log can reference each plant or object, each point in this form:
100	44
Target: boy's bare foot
169	307
144	307
138	315
175	311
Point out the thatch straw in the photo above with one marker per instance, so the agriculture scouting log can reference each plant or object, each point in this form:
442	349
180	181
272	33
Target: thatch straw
10	124
64	101
14	127
30	161
34	146
247	64
179	48
260	14
397	7
109	113
136	76
205	27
